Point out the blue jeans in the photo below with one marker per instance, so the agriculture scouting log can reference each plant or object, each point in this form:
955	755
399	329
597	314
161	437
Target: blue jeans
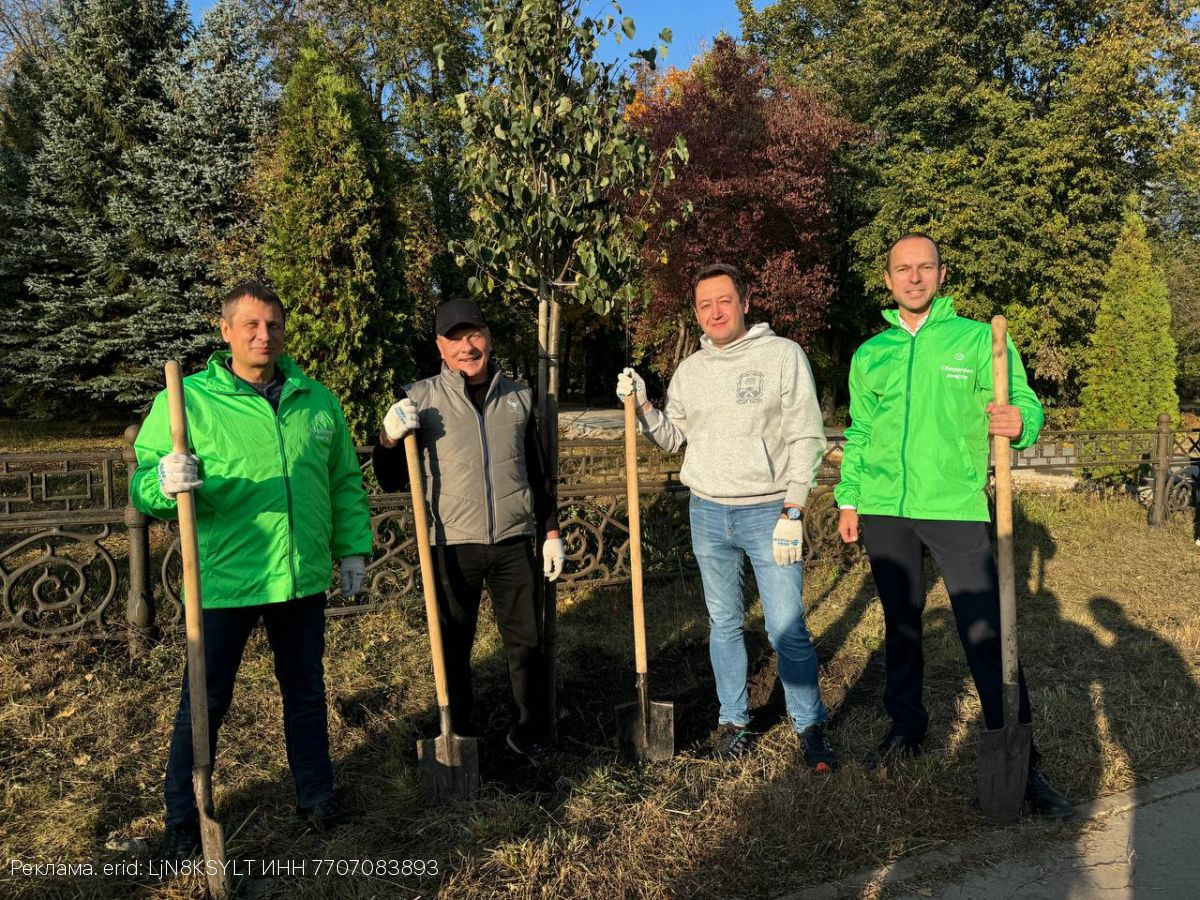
721	536
296	633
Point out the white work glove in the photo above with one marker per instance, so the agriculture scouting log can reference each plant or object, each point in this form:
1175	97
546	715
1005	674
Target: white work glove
354	572
630	382
177	472
554	557
401	419
788	541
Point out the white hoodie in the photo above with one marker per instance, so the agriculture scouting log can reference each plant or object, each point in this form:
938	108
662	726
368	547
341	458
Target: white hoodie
749	415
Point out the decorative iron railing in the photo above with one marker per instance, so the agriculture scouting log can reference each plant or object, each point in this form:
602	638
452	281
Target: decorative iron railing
70	543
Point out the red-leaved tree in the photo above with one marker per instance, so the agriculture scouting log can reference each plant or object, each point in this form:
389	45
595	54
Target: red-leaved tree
755	194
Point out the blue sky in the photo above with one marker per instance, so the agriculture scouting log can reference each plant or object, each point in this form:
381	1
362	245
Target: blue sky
693	23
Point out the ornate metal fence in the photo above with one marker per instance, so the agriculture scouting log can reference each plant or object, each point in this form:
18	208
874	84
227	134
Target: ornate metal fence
70	543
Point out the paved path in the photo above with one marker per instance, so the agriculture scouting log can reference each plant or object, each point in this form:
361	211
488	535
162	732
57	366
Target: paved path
1147	852
1143	844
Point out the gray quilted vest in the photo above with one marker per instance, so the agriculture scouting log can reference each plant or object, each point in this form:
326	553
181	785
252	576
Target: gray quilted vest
475	478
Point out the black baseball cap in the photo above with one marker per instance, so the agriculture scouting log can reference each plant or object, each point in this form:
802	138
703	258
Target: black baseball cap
458	311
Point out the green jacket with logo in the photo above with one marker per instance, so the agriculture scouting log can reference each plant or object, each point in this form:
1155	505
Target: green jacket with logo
918	444
283	494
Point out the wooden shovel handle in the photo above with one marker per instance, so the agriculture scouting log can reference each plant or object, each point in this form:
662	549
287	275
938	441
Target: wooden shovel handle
633	506
189	550
416	480
1004	517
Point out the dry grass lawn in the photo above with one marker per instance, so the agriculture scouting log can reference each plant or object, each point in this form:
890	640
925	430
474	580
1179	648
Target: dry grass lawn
1110	621
60	436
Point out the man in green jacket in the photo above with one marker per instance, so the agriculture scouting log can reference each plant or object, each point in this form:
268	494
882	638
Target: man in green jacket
279	496
914	468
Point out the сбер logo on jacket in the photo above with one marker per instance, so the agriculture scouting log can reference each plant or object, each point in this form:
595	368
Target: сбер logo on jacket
750	387
322	423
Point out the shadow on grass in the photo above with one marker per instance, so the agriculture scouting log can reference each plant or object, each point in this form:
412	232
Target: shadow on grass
1106	693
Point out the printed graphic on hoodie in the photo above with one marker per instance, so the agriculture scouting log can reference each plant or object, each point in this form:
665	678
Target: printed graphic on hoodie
750	387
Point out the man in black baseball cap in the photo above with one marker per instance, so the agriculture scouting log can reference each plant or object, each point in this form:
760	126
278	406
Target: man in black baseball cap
476	429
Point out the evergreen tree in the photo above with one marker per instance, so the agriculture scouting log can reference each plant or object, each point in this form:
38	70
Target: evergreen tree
20	137
1130	362
196	174
413	58
99	317
332	244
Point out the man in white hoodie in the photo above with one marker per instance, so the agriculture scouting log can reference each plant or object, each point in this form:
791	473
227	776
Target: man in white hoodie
746	407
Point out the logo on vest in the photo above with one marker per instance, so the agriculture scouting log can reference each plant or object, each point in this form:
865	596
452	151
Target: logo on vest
322	424
750	388
513	403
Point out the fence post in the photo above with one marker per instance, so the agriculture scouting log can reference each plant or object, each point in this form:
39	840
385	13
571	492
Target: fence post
1162	466
139	606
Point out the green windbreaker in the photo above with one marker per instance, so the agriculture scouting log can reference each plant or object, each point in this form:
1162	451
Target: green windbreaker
918	444
282	496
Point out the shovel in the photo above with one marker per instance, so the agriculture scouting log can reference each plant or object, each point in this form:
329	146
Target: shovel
212	839
1004	751
647	728
449	763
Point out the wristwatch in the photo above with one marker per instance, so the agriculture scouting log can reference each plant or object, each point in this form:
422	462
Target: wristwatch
792	512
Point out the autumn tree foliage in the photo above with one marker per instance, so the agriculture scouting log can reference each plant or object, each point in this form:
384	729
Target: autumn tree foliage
756	194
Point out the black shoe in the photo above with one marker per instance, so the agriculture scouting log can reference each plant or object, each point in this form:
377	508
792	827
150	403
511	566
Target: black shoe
732	741
1043	799
818	752
892	749
181	842
536	753
326	815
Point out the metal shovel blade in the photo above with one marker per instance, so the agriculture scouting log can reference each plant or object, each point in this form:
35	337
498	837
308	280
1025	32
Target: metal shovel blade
212	838
647	734
449	767
1004	769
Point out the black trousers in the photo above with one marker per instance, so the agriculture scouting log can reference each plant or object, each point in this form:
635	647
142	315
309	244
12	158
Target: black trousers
296	632
508	569
963	552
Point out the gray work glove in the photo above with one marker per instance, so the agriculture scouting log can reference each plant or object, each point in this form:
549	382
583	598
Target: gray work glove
354	572
178	472
401	419
788	542
630	382
554	557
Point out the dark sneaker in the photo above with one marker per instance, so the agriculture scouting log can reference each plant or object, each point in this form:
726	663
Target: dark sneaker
1043	799
536	753
818	752
891	750
732	742
181	842
326	815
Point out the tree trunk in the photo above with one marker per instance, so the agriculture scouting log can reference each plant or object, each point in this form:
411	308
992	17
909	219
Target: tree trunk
563	387
829	388
550	436
548	422
679	351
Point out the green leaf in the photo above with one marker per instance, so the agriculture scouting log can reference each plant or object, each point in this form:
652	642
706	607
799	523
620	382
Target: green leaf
628	27
665	35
